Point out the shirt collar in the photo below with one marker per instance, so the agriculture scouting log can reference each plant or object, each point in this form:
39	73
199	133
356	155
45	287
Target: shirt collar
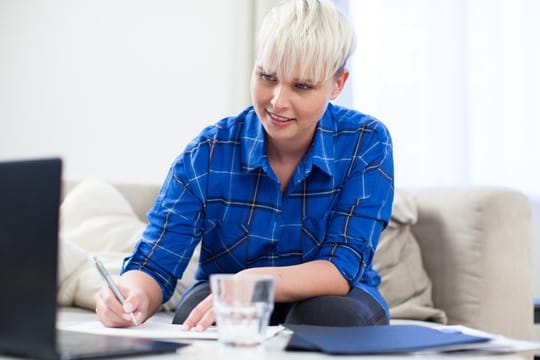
320	154
253	146
322	151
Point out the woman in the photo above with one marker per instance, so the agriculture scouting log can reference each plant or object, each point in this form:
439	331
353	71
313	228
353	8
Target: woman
293	187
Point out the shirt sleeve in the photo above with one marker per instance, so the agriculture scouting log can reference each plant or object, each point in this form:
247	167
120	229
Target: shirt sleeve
363	208
174	222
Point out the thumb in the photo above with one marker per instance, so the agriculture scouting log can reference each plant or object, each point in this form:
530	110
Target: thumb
136	302
128	306
131	299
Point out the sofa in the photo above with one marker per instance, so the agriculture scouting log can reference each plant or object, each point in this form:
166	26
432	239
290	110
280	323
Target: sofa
449	255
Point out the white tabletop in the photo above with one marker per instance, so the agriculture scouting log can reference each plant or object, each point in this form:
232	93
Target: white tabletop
272	349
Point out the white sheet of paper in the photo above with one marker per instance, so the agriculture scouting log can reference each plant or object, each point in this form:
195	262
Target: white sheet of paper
153	330
496	344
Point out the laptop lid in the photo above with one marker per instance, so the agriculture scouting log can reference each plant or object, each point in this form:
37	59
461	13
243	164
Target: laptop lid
29	213
29	198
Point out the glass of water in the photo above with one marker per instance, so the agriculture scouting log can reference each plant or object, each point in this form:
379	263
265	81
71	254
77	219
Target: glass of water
242	305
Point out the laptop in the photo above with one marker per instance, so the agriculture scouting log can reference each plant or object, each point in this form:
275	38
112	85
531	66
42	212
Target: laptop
29	209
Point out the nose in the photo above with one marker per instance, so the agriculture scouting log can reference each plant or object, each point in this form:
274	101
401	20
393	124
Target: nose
280	97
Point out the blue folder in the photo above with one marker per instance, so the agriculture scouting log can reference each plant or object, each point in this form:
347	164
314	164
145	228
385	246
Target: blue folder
380	339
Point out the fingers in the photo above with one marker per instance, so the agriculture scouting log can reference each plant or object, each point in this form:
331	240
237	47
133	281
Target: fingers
201	317
113	314
108	309
137	303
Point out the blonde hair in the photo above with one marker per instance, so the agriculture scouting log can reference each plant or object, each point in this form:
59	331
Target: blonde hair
308	39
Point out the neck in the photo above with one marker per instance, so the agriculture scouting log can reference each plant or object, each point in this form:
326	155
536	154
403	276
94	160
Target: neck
284	157
287	150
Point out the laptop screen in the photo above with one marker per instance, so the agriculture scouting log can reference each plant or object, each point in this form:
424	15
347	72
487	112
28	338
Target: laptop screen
29	202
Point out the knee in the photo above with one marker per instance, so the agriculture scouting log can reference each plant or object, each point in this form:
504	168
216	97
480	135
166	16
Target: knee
336	311
189	300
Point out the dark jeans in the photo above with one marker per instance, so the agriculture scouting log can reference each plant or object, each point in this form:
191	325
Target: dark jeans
357	308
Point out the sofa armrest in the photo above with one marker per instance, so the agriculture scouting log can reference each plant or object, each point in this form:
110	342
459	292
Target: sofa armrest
476	247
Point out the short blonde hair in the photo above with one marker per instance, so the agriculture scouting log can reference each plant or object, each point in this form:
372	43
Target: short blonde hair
309	39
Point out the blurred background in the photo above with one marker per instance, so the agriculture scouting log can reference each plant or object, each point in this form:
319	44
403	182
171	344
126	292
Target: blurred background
117	88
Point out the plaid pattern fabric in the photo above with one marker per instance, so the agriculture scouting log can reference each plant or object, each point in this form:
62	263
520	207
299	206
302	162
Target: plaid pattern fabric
222	191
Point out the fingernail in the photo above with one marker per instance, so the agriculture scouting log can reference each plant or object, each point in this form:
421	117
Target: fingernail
138	317
185	327
198	328
128	307
126	317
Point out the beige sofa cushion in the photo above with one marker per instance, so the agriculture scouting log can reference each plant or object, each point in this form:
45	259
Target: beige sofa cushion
404	282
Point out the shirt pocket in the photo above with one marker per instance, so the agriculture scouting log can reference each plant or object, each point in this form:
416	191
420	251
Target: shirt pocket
313	235
224	247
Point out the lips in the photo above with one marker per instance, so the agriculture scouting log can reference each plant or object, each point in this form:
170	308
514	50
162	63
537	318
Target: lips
277	119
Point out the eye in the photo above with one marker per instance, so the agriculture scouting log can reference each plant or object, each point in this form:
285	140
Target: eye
303	86
267	77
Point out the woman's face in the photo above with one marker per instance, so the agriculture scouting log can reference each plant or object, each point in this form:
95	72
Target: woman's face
289	109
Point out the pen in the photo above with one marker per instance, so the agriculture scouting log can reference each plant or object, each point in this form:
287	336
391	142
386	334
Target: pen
112	285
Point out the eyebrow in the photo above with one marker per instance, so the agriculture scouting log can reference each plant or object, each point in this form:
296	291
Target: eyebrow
260	69
294	80
305	81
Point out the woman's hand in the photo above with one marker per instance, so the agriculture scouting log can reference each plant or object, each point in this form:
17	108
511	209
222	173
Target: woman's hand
113	314
202	315
142	298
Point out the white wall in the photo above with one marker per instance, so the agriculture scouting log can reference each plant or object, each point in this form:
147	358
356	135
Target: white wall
118	87
535	206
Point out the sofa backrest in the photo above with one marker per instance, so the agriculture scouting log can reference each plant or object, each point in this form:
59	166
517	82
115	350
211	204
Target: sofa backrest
140	196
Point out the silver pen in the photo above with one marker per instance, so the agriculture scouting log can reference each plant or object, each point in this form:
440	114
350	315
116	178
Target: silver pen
112	285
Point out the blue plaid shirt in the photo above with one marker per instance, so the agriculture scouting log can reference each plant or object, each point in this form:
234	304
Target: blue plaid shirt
222	191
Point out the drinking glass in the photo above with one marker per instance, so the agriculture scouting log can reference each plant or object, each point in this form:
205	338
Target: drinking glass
242	305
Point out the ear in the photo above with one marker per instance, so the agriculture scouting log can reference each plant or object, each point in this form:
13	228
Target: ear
339	83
